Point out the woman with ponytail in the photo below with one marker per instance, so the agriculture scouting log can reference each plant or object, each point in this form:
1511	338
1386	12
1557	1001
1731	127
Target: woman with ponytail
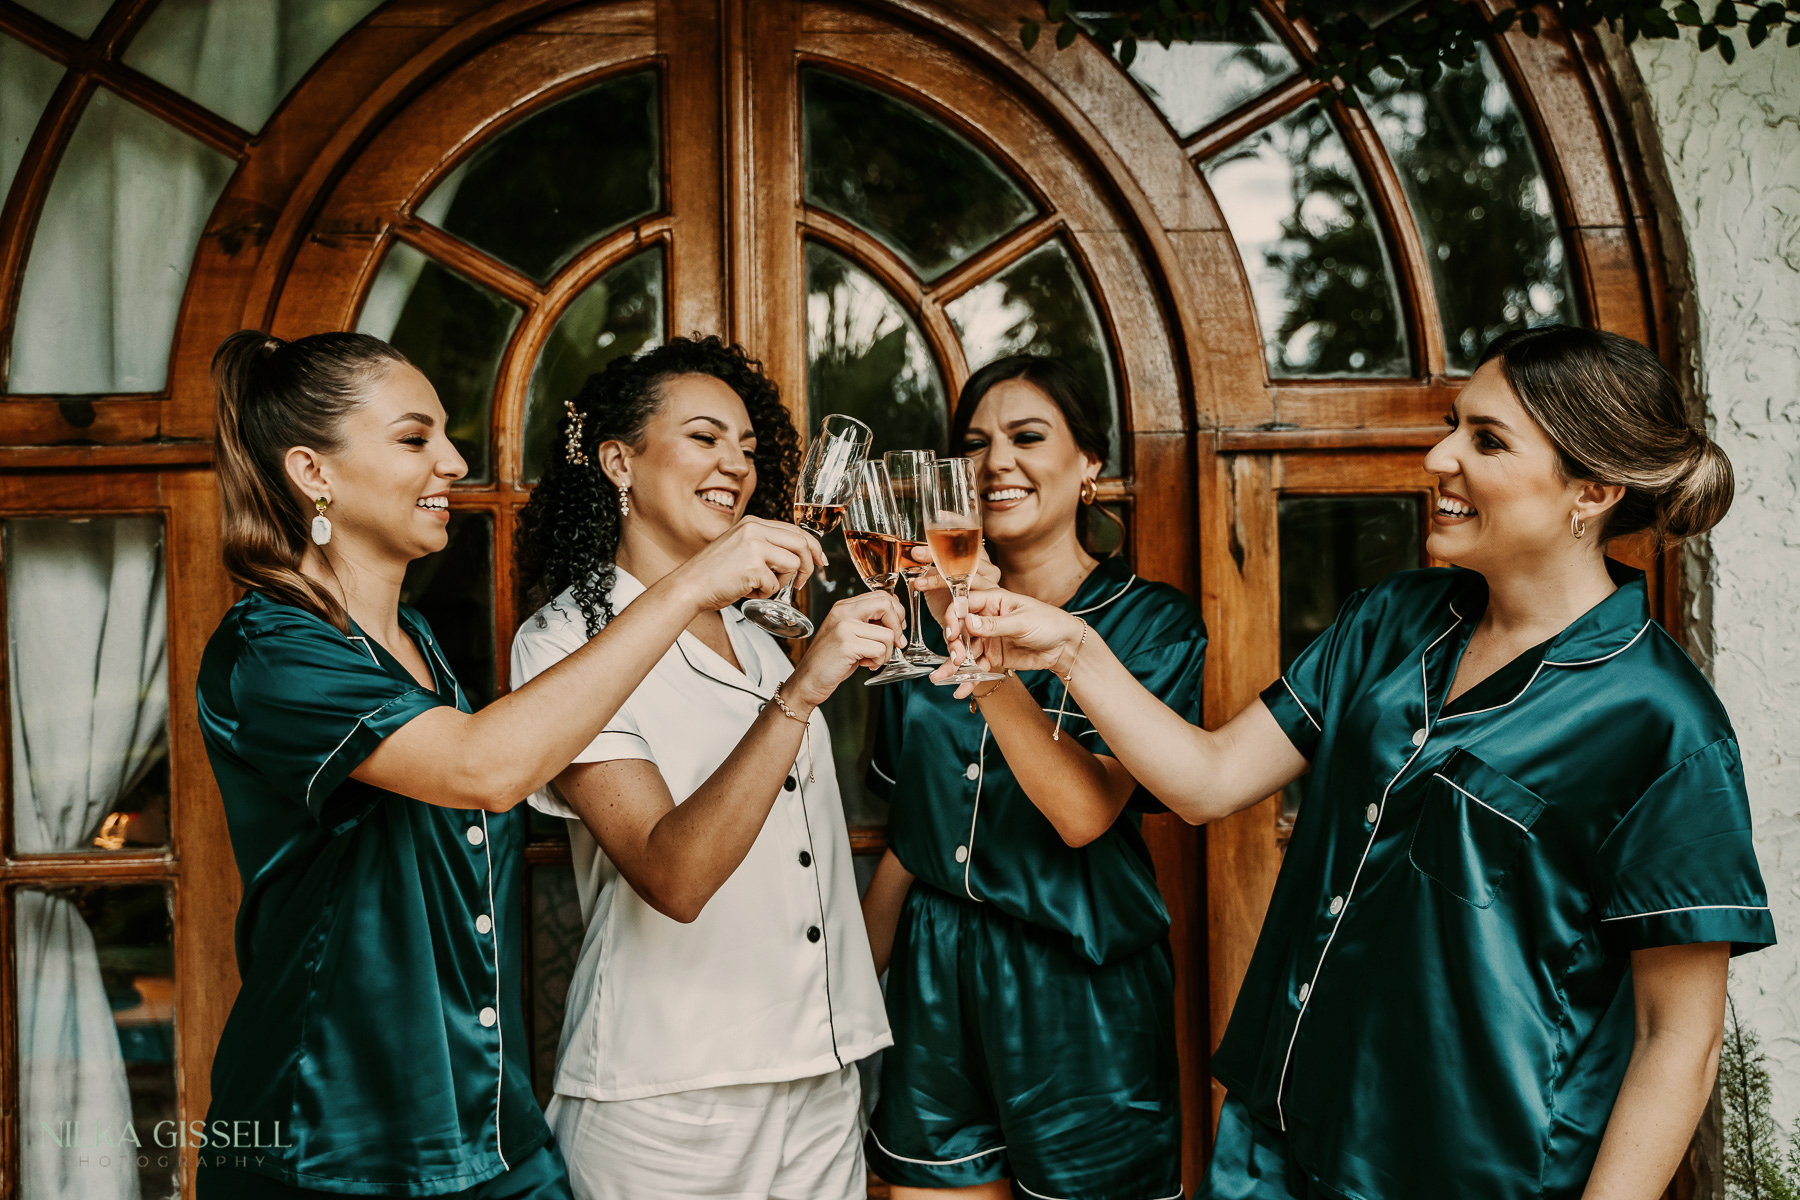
1494	963
376	1046
724	991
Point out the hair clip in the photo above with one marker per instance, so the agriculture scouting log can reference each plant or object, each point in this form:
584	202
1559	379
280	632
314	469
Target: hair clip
574	452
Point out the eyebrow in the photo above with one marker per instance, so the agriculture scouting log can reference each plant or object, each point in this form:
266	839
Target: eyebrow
421	418
719	425
1494	422
1026	421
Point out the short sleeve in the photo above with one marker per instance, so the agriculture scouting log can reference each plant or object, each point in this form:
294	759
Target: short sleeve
1172	672
885	754
1297	699
1680	867
311	706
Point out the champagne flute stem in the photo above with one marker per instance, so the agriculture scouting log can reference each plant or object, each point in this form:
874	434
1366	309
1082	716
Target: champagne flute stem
912	597
960	592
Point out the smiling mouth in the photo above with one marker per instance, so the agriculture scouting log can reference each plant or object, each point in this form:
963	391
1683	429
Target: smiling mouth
1002	495
434	503
719	498
1449	507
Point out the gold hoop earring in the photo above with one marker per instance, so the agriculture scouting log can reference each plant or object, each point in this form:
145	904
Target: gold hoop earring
1090	491
1577	526
321	525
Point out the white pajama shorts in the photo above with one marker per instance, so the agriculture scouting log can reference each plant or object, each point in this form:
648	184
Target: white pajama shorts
799	1140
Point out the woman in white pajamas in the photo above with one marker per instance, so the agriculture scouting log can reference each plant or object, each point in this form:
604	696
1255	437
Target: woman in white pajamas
725	989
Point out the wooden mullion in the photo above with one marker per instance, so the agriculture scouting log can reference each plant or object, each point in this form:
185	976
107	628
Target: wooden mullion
40	33
1238	124
463	258
171	106
100	866
9	1045
996	258
865	251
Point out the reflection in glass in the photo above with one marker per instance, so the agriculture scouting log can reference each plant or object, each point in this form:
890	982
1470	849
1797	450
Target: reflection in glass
1041	305
1481	203
80	17
454	331
454	591
96	1004
1301	217
240	60
556	933
925	191
87	679
544	189
26	80
110	258
865	358
1195	83
1332	546
615	316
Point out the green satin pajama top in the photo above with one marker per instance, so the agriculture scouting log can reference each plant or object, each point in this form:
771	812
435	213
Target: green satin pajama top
378	940
961	823
1440	1000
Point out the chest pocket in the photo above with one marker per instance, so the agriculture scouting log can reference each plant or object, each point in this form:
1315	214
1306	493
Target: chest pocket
1472	828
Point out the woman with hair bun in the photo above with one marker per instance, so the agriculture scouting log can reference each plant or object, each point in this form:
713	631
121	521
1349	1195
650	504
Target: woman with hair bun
724	990
376	1046
1494	963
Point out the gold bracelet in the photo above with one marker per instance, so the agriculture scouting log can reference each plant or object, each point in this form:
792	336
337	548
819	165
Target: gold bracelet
974	696
1063	704
782	704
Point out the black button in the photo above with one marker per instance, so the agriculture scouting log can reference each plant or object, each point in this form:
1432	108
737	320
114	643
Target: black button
813	934
805	858
789	784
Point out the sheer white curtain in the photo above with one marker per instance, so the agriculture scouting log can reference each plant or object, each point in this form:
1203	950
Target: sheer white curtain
90	703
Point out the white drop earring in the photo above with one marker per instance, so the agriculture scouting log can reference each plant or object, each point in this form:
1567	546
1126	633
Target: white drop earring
624	500
321	525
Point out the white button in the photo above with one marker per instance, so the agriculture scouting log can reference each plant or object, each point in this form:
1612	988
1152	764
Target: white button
973	771
489	1016
475	835
1337	905
1418	737
483	923
1373	814
1305	991
962	854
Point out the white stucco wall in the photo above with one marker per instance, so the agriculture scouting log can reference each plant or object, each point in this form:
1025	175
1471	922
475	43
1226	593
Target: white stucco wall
1731	140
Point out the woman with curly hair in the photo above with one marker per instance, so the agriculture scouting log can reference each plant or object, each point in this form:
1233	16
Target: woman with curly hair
725	989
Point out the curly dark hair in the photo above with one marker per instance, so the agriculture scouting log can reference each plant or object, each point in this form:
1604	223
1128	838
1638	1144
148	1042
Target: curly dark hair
568	533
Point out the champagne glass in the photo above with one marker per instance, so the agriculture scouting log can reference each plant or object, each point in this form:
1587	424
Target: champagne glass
907	471
953	528
827	474
870	530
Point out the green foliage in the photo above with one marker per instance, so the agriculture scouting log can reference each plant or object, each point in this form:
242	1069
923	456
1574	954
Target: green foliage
1755	1166
1429	37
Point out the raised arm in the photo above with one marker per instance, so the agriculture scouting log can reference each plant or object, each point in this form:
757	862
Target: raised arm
494	758
1200	775
1679	993
676	856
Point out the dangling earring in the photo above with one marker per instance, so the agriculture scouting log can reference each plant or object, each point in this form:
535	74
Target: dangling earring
624	500
321	527
1090	491
1577	526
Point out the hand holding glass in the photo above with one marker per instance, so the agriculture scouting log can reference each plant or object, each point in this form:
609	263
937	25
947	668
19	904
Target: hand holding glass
871	532
953	528
827	474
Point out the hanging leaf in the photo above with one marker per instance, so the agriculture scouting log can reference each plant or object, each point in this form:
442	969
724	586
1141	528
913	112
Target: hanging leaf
1725	16
1793	38
1028	34
1529	24
1727	51
1065	36
1688	13
1127	52
1057	10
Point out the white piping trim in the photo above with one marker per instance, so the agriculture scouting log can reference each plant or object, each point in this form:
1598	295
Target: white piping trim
934	1162
455	687
487	848
1076	612
1590	661
1296	696
307	799
881	772
1041	1196
1690	908
980	778
1337	924
1477	799
351	637
1477	712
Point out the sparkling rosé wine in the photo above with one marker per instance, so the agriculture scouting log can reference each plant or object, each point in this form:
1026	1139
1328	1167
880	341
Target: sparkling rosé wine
819	518
876	555
955	550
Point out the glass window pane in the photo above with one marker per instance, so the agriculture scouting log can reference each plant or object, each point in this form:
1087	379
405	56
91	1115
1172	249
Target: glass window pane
240	60
1481	203
87	678
26	80
1195	83
111	256
96	1005
1332	546
925	191
556	933
1041	305
545	188
454	591
616	315
77	16
865	358
454	331
1301	217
